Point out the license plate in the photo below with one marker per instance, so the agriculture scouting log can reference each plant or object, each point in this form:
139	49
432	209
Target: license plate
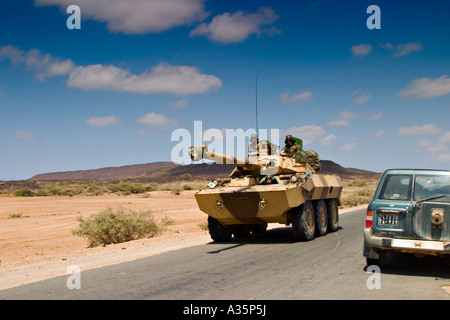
388	219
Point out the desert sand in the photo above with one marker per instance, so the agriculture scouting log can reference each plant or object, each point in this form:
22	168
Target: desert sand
39	244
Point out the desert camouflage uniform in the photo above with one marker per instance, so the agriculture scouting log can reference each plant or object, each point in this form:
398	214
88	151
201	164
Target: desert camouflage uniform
313	160
291	151
253	148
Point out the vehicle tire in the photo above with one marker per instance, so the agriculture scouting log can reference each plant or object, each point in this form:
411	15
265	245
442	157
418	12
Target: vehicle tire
241	231
377	262
303	222
333	215
259	228
218	232
321	216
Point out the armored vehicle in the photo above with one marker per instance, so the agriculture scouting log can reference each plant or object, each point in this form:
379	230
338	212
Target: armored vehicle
268	188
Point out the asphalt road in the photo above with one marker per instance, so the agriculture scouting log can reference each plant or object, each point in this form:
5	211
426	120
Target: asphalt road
272	266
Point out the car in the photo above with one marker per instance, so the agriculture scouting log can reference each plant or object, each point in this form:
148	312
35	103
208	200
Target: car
410	212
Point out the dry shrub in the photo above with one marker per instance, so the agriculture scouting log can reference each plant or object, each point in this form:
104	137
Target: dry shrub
116	226
357	198
203	225
24	192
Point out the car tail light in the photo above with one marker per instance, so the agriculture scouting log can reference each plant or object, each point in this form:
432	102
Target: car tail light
369	219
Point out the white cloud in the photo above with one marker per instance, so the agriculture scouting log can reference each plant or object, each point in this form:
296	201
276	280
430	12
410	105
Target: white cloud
416	130
339	123
12	53
387	45
329	140
42	65
436	148
100	122
298	97
403	49
343	119
424	143
238	26
183	103
362	98
445	138
137	16
157	120
164	78
407	48
377	116
347	115
361	50
426	88
25	135
349	146
308	134
378	134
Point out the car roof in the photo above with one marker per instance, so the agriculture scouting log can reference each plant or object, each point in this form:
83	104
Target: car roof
417	171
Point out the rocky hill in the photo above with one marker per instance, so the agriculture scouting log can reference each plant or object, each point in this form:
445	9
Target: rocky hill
169	171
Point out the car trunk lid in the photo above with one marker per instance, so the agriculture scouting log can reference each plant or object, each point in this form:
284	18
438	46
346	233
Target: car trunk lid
392	219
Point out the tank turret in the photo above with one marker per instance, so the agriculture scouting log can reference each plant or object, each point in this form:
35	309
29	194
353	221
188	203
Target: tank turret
262	163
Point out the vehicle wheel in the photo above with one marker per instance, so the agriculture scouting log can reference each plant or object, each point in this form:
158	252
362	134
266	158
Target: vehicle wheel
320	212
259	228
241	231
303	222
333	215
218	232
377	262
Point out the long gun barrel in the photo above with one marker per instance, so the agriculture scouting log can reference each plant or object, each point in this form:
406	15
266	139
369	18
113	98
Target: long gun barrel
201	152
257	165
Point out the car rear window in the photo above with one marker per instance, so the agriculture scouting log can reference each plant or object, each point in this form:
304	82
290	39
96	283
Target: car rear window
429	186
396	187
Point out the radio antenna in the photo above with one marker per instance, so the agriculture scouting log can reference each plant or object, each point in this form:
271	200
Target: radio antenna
256	104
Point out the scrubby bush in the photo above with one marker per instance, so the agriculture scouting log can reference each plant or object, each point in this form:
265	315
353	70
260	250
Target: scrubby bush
116	226
203	225
360	183
61	189
24	192
357	198
14	215
131	188
152	186
95	190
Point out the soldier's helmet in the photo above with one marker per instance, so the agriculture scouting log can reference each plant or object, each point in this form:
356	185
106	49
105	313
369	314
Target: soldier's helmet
288	138
254	136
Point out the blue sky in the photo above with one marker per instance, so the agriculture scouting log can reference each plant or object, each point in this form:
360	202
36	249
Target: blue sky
113	92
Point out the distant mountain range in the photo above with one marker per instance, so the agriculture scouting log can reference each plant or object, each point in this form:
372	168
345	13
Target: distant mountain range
169	171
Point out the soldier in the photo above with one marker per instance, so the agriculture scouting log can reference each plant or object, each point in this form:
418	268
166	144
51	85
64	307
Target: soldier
253	147
291	148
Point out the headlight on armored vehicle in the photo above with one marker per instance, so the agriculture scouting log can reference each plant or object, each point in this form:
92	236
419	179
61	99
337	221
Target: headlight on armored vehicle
262	204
